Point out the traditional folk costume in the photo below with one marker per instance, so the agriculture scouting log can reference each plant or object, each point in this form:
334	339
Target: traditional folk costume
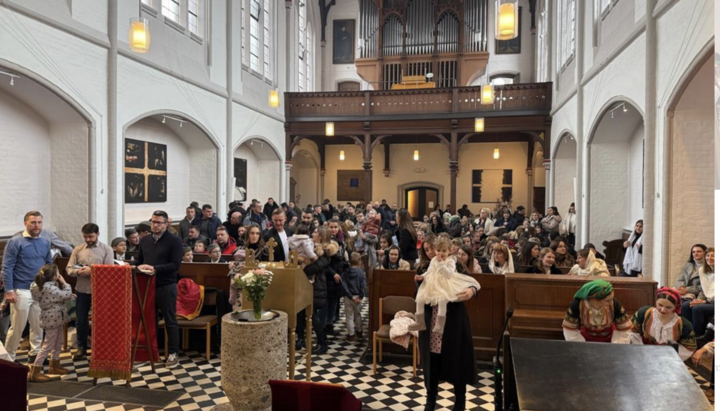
606	324
649	330
440	286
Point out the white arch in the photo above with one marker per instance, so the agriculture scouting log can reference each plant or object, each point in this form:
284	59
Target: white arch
82	112
265	140
177	113
603	111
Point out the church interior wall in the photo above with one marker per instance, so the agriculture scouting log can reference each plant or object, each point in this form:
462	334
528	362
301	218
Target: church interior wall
636	159
69	179
306	173
565	162
333	73
178	171
692	199
263	169
24	188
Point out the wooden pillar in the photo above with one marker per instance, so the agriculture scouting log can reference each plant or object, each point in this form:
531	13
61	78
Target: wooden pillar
321	189
530	173
453	170
367	166
386	170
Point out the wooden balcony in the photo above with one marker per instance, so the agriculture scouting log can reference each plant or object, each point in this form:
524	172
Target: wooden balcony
531	99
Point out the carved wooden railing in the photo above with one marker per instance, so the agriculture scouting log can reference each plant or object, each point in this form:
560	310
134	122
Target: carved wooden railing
530	97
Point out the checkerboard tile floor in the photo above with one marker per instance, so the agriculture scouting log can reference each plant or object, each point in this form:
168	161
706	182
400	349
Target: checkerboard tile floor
393	388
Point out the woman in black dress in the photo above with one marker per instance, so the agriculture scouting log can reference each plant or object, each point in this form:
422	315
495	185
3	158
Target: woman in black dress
449	356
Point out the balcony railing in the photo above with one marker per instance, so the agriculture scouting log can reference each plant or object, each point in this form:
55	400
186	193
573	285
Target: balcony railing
513	99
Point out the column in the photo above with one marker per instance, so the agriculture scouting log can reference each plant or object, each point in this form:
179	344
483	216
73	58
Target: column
531	185
286	192
453	185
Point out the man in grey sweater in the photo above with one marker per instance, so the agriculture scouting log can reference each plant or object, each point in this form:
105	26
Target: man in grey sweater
92	251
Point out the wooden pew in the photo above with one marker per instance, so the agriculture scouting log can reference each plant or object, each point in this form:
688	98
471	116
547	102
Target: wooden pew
203	258
541	301
206	274
486	312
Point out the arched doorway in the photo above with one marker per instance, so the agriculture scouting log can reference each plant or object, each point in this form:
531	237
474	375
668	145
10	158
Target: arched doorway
616	168
564	172
306	172
45	157
689	171
168	162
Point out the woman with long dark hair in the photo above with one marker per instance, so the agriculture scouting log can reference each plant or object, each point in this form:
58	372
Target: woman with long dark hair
465	257
437	226
632	264
552	220
545	263
406	236
529	253
393	260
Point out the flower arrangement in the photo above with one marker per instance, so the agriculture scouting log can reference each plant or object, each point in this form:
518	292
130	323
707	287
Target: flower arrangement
255	283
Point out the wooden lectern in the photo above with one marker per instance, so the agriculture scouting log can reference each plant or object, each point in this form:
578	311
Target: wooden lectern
291	292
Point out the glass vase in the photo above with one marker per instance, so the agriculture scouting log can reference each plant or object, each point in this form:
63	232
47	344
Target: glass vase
257	308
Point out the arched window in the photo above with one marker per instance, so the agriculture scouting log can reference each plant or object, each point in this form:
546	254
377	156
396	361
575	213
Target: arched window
305	49
566	32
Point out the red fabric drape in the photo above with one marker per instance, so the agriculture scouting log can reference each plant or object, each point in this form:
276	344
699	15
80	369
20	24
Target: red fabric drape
189	300
311	396
142	354
112	321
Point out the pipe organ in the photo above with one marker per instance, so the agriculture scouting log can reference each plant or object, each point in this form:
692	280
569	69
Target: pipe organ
401	38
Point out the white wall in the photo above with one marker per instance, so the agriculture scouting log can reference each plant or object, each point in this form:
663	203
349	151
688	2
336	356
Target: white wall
70	179
178	172
635	176
332	74
692	217
262	171
564	165
24	167
608	191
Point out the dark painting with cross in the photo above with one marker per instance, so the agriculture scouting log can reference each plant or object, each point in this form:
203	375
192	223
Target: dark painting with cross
145	172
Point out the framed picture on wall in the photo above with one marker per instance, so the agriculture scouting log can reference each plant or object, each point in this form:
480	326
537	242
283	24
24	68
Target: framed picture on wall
511	46
343	41
350	185
145	172
240	173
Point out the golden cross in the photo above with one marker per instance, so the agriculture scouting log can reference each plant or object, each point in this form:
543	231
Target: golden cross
146	171
271	246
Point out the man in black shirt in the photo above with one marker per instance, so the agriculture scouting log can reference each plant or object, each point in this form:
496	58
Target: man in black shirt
161	255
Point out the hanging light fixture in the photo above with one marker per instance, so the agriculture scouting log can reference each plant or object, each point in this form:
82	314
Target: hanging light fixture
274	99
496	153
487	95
342	155
479	124
506	19
329	129
139	35
416	155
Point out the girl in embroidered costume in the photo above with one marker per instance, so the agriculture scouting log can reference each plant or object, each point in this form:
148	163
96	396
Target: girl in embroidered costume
661	324
440	285
596	315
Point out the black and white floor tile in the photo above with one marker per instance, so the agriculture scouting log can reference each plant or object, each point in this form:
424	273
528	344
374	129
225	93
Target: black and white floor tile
393	388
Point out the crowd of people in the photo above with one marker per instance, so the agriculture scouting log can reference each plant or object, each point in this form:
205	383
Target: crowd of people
335	246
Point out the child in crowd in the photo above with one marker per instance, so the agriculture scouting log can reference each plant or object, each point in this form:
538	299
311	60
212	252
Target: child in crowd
455	245
215	253
200	248
354	287
187	255
51	290
303	245
368	236
119	246
351	235
440	286
385	243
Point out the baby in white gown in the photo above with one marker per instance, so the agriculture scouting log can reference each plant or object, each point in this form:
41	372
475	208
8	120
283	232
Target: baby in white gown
440	285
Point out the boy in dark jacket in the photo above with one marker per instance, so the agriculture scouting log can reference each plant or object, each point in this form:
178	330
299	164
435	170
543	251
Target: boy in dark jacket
354	287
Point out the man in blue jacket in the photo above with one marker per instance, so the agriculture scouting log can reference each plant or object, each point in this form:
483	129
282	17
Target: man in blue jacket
160	254
24	255
209	223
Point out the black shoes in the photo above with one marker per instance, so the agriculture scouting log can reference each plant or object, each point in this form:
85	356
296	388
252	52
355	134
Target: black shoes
320	349
80	354
299	344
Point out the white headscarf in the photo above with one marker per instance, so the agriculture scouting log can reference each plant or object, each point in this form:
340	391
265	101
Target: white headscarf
508	267
633	258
